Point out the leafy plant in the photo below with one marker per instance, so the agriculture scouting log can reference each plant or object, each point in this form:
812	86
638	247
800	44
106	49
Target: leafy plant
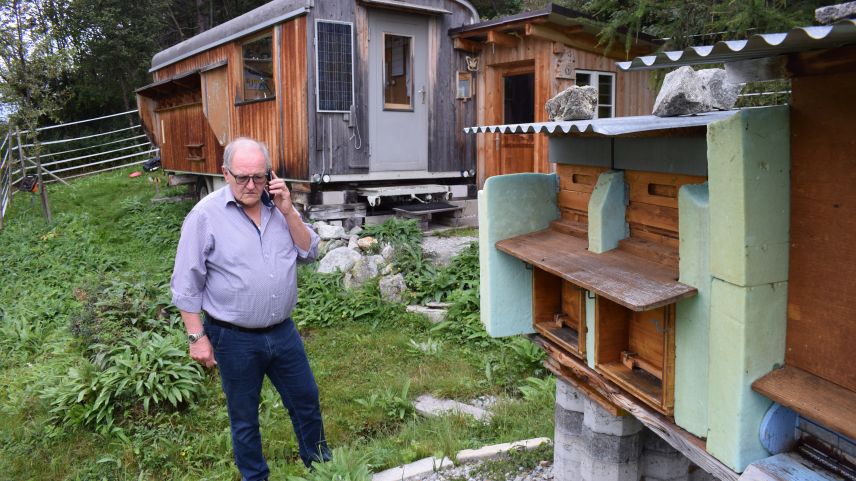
143	371
395	231
430	346
537	389
395	405
346	464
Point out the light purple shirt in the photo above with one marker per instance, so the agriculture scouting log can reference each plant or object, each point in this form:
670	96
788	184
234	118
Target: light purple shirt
234	271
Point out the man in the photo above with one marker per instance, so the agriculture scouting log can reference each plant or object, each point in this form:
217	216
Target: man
236	268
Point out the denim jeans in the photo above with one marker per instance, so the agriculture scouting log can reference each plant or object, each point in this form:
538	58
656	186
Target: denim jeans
243	359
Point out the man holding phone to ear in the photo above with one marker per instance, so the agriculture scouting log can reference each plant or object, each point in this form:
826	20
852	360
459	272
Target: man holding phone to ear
235	283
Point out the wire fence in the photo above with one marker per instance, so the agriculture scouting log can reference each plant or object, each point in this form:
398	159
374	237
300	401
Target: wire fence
30	159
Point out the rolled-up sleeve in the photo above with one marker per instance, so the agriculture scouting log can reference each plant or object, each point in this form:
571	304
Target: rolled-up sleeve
189	272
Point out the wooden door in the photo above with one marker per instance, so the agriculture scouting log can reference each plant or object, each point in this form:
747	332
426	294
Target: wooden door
517	151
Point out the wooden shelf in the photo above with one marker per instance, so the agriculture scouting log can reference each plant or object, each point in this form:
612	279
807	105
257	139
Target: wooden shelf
633	282
811	396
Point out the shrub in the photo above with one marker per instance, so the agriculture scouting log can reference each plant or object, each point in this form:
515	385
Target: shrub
396	232
143	371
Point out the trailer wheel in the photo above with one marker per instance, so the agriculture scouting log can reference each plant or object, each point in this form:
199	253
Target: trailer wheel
202	188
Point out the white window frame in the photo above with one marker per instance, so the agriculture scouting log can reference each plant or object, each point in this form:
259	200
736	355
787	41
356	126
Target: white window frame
595	82
353	60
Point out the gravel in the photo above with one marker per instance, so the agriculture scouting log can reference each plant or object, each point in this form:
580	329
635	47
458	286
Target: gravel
544	471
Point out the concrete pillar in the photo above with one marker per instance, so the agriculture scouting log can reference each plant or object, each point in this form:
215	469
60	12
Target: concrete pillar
662	462
611	445
566	443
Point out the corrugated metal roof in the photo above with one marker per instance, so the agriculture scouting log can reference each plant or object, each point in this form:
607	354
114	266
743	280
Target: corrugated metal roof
262	17
757	46
609	127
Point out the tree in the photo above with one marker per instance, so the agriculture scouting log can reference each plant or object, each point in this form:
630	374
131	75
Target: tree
33	61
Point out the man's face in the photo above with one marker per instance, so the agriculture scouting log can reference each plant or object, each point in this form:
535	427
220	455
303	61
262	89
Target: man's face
247	160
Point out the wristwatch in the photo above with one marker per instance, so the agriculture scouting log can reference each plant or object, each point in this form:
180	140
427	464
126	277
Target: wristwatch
193	337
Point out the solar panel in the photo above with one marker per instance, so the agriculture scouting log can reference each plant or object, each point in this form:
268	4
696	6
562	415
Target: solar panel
334	59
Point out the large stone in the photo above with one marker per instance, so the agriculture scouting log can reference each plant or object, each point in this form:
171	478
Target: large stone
392	288
573	103
687	91
436	316
339	259
327	232
833	13
428	405
364	269
366	243
441	250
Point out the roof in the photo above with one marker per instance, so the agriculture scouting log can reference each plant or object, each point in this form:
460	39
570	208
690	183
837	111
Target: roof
553	13
798	39
607	127
165	88
260	18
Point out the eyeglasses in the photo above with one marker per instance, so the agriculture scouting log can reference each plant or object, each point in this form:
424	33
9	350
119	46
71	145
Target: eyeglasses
244	179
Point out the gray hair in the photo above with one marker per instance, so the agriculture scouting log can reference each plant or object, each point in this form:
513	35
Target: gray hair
232	146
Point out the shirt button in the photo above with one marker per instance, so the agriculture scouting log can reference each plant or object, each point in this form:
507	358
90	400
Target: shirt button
272	314
273	295
271	276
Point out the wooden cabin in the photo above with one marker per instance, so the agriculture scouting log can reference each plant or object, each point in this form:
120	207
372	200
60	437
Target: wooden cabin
354	99
520	61
696	272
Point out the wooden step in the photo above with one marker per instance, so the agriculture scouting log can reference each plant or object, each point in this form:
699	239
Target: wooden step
569	227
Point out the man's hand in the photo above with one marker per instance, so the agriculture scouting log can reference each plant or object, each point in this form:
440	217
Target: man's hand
281	195
202	352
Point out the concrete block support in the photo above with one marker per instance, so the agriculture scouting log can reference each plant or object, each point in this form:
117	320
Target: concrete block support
567	447
662	462
606	212
602	422
692	326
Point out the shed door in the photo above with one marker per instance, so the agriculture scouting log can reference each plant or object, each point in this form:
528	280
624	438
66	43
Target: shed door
517	151
398	97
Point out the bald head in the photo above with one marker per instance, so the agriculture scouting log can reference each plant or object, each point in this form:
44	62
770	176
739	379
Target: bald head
242	143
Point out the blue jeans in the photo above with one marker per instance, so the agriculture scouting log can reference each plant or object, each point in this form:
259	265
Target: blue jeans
243	359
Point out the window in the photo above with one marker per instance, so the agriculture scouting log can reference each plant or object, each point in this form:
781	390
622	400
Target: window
397	72
519	99
334	55
258	68
604	82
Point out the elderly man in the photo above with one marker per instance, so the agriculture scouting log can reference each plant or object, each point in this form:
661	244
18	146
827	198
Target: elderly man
236	269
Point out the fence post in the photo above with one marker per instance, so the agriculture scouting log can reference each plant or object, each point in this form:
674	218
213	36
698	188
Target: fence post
43	193
23	164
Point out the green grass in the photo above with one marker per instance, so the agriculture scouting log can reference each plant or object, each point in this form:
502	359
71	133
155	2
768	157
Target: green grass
85	296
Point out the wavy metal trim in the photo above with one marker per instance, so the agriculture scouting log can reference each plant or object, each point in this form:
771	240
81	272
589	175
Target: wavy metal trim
798	39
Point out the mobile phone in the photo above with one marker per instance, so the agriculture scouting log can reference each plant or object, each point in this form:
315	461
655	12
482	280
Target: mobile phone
266	198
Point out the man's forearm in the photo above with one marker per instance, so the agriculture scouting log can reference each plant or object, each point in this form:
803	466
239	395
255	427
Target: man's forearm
192	321
299	232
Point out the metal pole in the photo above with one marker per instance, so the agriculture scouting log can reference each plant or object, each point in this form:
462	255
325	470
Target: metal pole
46	208
23	164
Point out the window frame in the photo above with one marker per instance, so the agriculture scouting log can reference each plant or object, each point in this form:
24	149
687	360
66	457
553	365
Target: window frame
393	107
317	76
595	82
243	99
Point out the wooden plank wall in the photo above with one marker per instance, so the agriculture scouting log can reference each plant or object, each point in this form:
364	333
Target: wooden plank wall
287	140
822	265
632	93
576	184
652	212
294	99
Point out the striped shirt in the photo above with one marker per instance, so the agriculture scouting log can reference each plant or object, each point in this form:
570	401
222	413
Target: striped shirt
233	270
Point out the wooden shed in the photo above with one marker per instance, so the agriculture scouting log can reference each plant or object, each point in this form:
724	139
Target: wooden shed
520	61
705	283
347	95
